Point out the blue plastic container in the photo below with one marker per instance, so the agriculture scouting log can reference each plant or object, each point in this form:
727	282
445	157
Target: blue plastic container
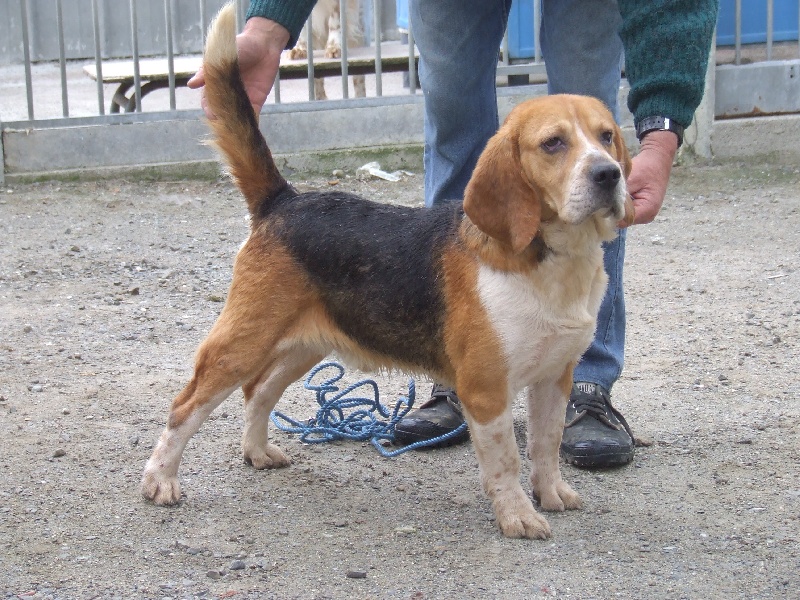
754	21
402	14
521	37
520	27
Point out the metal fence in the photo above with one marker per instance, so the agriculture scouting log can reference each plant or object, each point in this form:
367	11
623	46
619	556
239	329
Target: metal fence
73	63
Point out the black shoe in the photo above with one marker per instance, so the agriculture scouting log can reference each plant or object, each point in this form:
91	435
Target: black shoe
438	416
595	433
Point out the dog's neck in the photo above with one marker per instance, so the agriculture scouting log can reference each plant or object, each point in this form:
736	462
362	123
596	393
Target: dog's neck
554	239
498	255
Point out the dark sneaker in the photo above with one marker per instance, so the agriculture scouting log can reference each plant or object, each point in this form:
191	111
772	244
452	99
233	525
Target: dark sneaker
438	416
595	433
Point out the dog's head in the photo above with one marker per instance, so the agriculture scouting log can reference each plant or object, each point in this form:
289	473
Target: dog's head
555	157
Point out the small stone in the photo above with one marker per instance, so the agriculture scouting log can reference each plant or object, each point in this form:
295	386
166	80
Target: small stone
337	173
356	574
215	298
27	328
74	249
59	453
134	291
405	530
64	411
36	387
237	565
212	574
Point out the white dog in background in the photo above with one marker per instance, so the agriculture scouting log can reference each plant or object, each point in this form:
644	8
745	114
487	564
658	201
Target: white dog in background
326	33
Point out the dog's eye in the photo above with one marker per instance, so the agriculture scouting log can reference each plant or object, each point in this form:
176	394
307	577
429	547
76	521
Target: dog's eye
553	144
607	137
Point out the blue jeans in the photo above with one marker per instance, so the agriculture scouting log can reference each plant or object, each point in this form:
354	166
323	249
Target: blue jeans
459	42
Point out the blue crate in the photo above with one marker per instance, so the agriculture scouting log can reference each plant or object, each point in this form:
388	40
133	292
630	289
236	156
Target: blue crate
521	37
754	21
402	14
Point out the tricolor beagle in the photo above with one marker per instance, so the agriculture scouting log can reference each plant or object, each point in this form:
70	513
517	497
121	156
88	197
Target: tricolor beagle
495	297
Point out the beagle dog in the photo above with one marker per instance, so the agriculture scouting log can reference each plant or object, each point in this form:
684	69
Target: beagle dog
494	297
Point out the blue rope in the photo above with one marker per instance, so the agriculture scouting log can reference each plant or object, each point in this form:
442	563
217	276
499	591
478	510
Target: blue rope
331	423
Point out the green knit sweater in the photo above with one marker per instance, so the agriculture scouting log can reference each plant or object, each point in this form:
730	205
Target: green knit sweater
666	49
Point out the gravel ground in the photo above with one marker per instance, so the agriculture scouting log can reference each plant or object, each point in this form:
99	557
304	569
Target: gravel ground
107	288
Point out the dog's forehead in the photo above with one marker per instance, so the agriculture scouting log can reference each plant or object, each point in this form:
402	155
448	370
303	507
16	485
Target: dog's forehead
563	112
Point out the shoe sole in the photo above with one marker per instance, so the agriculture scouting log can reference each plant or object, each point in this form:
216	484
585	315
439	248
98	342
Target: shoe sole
408	439
598	461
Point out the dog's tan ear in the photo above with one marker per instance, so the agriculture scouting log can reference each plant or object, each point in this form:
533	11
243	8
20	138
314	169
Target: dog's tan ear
621	153
498	198
624	158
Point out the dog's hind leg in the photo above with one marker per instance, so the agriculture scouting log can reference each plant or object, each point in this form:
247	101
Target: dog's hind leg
235	352
261	395
547	403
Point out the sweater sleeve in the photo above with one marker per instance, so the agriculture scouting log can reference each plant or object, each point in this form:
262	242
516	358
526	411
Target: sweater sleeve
667	44
292	14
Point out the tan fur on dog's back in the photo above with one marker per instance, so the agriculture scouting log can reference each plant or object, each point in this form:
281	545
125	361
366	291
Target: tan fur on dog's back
235	125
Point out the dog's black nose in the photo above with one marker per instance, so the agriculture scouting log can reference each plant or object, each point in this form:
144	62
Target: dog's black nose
606	175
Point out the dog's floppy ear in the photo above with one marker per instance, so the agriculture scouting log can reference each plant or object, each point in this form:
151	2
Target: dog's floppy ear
624	159
498	199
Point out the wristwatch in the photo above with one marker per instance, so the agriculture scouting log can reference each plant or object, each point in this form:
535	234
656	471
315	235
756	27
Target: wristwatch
649	124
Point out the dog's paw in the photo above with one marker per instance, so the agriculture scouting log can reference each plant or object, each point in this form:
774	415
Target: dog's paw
557	497
268	457
517	518
333	51
298	52
160	489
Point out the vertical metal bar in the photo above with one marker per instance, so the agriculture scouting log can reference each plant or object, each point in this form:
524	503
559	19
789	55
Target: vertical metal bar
770	27
537	24
412	63
203	23
2	158
137	80
312	94
23	7
62	60
170	56
276	87
377	21
343	34
737	36
98	62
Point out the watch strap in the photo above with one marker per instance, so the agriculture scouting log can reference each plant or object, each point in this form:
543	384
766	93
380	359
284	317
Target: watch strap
649	124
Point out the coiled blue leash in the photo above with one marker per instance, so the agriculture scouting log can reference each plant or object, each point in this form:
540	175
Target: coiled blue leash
331	423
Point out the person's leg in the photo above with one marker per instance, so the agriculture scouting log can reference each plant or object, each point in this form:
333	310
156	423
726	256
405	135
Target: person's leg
459	43
583	55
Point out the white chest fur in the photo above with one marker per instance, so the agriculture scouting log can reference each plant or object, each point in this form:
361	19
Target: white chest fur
544	319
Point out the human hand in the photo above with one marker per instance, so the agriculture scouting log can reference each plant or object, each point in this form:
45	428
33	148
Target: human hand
650	170
259	47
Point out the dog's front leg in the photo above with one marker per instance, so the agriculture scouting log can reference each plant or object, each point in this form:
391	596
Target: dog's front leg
547	403
498	459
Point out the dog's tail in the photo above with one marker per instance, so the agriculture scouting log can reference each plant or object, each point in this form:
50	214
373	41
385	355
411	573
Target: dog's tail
235	128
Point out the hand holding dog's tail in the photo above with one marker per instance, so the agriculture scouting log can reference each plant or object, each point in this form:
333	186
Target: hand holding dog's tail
235	128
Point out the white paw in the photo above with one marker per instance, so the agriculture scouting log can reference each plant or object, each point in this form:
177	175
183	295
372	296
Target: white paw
298	52
517	518
268	457
162	490
557	497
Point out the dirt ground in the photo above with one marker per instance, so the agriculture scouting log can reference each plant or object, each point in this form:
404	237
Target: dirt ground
107	287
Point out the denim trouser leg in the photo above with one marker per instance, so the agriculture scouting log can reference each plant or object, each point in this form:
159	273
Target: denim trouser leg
459	41
583	54
459	44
